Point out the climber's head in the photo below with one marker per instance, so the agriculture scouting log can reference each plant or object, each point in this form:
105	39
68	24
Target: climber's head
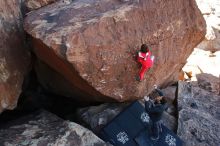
160	99
144	48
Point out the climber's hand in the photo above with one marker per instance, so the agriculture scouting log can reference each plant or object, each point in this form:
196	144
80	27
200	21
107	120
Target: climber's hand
139	54
146	98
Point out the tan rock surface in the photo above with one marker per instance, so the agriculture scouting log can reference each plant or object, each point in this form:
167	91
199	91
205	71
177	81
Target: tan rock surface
91	44
36	4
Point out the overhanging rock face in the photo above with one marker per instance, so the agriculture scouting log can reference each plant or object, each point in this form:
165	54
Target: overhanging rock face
91	43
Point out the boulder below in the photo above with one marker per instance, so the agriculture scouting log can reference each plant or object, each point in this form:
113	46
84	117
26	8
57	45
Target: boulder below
98	116
91	45
45	129
199	116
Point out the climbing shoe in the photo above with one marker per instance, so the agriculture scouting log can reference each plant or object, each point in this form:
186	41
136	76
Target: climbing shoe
138	78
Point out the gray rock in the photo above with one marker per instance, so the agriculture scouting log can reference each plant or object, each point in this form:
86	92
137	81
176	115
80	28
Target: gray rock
199	116
209	82
170	93
98	116
46	129
171	109
169	121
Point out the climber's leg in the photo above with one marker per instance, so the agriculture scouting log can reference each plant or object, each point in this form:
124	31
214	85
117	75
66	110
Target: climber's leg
142	72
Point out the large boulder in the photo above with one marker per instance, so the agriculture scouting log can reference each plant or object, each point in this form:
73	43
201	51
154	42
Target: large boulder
91	44
14	58
45	129
199	116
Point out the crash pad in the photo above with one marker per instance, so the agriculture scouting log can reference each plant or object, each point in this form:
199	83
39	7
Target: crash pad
132	128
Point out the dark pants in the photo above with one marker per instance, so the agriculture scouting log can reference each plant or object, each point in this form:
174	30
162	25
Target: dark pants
156	129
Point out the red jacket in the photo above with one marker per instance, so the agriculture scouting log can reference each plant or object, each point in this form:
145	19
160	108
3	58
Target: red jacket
145	59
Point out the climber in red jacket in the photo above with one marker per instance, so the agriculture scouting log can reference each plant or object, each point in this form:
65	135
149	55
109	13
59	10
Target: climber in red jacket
146	60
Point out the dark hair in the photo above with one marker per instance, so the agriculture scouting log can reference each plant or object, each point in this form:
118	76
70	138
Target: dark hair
144	48
163	100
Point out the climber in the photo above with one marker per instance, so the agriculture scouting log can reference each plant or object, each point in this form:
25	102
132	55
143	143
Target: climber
155	110
146	60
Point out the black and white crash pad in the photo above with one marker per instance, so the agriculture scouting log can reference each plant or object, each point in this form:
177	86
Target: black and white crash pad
132	128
